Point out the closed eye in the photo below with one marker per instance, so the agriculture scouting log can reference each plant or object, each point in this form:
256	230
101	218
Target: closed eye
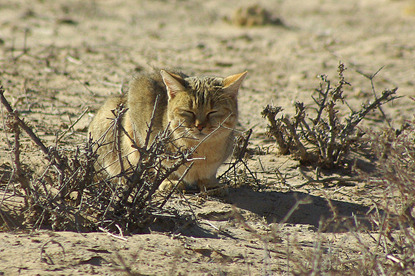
213	113
187	113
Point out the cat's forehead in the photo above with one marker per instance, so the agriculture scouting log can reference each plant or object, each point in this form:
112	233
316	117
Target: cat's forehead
204	83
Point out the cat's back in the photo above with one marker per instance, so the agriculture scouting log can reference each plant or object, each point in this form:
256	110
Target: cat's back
147	86
145	89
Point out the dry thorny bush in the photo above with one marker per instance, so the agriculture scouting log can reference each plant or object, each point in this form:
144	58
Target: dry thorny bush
71	193
325	139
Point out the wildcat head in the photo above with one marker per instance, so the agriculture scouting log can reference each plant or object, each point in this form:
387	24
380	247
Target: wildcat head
202	107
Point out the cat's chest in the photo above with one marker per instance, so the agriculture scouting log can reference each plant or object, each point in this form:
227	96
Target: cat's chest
210	152
205	151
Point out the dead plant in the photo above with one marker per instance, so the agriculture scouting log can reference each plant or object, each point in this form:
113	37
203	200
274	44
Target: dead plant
325	139
67	196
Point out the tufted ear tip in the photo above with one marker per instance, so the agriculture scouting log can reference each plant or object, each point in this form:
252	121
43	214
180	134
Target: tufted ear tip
232	83
174	83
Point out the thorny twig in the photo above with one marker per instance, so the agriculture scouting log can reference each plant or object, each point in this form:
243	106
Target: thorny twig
356	118
240	150
240	153
21	123
51	154
72	125
371	78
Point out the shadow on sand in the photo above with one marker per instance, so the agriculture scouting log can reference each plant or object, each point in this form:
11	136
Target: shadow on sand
274	206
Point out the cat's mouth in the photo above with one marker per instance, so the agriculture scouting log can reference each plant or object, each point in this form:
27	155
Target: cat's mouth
206	132
198	135
194	133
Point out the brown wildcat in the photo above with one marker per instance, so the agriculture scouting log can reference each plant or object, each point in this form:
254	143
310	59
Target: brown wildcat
201	111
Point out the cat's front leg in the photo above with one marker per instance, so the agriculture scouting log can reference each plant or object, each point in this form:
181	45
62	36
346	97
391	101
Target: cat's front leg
212	187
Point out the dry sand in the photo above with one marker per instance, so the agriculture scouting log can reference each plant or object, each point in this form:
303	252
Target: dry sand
58	58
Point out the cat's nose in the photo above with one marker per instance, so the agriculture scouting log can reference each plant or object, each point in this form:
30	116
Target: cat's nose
200	127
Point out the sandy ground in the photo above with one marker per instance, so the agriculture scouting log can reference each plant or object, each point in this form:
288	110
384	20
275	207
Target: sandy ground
58	58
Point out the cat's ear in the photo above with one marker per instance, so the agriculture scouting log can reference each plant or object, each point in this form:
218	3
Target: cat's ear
174	83
232	83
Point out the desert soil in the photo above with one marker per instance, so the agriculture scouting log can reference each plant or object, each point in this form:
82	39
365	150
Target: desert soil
58	58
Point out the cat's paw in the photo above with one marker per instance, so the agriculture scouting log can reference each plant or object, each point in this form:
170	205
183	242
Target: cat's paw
207	184
167	185
221	191
212	187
